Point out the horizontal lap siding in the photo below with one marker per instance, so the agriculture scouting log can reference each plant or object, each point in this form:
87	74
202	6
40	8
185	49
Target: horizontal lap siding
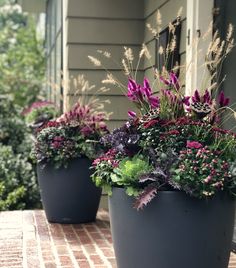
122	9
96	76
78	56
106	25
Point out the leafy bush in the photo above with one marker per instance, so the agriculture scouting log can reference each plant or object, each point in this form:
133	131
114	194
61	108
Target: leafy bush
22	63
18	188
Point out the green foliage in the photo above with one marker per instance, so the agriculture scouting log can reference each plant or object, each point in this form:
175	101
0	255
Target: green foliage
130	170
21	56
44	113
18	189
12	127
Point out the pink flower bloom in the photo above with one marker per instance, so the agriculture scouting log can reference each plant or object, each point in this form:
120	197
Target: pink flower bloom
194	145
131	114
86	131
171	81
222	100
154	101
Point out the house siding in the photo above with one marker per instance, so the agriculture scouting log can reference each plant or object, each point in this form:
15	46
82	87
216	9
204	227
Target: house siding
101	25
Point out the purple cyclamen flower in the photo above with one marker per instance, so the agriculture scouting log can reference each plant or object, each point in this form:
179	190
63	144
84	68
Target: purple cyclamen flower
222	100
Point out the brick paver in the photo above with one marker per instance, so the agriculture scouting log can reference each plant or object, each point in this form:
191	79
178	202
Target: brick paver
27	240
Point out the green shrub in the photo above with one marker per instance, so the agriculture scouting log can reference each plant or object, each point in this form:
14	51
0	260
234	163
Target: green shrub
18	188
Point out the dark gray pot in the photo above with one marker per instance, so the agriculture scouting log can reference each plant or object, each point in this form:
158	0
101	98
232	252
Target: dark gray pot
68	194
173	231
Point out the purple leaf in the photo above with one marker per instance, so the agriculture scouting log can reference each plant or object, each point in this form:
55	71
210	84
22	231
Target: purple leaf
146	196
146	177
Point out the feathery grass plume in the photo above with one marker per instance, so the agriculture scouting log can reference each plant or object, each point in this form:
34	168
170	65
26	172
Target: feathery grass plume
161	50
145	52
129	54
110	79
229	32
105	53
95	61
158	21
151	29
180	13
217	51
127	70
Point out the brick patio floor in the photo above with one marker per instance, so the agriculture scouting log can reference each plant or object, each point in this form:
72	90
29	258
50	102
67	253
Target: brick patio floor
27	240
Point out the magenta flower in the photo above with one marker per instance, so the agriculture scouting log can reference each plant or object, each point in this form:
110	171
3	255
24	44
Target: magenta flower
206	98
131	114
36	105
141	94
171	81
154	101
196	97
86	131
223	101
186	101
194	145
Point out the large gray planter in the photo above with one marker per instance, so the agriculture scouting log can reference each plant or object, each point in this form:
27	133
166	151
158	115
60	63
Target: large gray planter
173	231
68	194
